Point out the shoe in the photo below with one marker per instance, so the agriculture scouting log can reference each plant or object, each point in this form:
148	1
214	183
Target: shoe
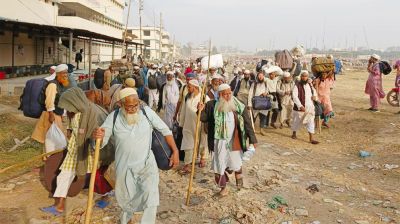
288	123
325	124
273	125
370	108
375	110
239	183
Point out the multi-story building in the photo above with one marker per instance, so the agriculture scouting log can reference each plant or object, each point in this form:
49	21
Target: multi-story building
45	32
157	43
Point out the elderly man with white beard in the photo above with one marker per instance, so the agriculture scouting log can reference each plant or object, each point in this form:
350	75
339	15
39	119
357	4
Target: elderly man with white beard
169	98
229	127
137	176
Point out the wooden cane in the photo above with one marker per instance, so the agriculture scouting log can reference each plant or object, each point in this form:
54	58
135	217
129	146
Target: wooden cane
252	120
30	160
91	185
196	141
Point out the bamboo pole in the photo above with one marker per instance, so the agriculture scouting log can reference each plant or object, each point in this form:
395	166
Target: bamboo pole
196	141
91	185
30	160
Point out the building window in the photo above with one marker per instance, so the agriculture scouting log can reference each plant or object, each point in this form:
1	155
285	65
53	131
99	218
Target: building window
146	33
146	42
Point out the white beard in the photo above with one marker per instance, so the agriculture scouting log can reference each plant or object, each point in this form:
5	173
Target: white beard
170	83
226	106
131	119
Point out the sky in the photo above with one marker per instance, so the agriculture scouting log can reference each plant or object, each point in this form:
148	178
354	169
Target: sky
276	24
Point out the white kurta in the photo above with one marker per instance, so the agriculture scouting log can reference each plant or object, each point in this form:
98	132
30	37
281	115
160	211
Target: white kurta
137	175
223	157
261	88
189	118
170	98
307	117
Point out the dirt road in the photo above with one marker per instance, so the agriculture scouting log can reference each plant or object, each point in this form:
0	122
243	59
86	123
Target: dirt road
348	189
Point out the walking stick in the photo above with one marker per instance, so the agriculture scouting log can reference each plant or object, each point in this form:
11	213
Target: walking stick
252	120
196	140
91	185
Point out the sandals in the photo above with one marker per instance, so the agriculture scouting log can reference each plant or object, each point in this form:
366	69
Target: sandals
239	183
202	163
314	142
185	170
52	210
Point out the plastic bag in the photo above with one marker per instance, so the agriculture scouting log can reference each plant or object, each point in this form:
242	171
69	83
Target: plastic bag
55	139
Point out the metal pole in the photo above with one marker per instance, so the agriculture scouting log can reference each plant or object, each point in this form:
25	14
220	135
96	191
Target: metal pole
44	42
12	51
90	61
160	35
126	29
140	25
112	54
70	47
84	54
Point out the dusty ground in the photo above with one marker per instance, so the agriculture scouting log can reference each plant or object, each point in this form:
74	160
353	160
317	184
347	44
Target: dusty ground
351	189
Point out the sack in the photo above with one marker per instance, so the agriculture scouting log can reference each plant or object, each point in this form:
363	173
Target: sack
385	68
55	139
284	59
99	78
97	96
338	66
319	108
33	98
152	81
261	64
161	150
101	185
320	65
298	51
216	61
161	80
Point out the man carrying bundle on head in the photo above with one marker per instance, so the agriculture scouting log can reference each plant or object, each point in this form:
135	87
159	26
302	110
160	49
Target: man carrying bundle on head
229	127
168	99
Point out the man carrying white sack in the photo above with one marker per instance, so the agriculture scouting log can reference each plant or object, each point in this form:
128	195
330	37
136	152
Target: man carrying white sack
169	98
304	111
229	127
137	177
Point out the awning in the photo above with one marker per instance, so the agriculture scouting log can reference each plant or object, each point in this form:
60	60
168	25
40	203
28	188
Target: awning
57	31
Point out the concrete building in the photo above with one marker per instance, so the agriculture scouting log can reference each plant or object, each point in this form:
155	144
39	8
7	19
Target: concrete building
40	33
157	43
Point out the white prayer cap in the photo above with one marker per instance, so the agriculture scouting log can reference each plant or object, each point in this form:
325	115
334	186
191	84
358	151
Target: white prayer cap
304	72
154	66
330	56
274	68
286	74
127	92
243	68
223	87
53	67
246	71
136	67
170	73
377	57
217	76
194	82
61	68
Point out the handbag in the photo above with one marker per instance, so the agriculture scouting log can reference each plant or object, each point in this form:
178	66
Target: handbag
260	102
161	150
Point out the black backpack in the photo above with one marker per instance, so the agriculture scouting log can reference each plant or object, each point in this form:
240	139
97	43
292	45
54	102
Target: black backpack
261	64
385	68
99	78
152	81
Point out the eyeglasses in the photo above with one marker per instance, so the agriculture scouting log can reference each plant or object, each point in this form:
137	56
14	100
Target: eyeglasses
131	107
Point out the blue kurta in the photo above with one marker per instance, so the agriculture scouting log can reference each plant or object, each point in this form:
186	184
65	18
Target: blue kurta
137	177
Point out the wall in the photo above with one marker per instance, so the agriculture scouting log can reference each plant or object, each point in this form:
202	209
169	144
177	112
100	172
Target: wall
31	11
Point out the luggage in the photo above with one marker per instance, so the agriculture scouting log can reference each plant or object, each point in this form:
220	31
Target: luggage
320	65
139	82
298	68
216	61
152	81
162	151
33	98
385	67
260	102
55	139
101	184
99	97
298	51
161	80
99	78
284	59
260	65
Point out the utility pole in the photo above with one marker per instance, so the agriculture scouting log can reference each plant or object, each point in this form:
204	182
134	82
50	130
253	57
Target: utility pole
160	35
140	26
155	36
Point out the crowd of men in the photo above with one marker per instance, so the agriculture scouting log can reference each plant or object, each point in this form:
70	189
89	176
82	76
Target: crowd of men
136	104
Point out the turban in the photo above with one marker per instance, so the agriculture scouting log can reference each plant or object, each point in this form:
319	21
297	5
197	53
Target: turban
53	67
377	57
223	87
246	71
286	74
217	76
61	68
130	82
304	72
273	69
194	82
170	73
136	67
127	92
